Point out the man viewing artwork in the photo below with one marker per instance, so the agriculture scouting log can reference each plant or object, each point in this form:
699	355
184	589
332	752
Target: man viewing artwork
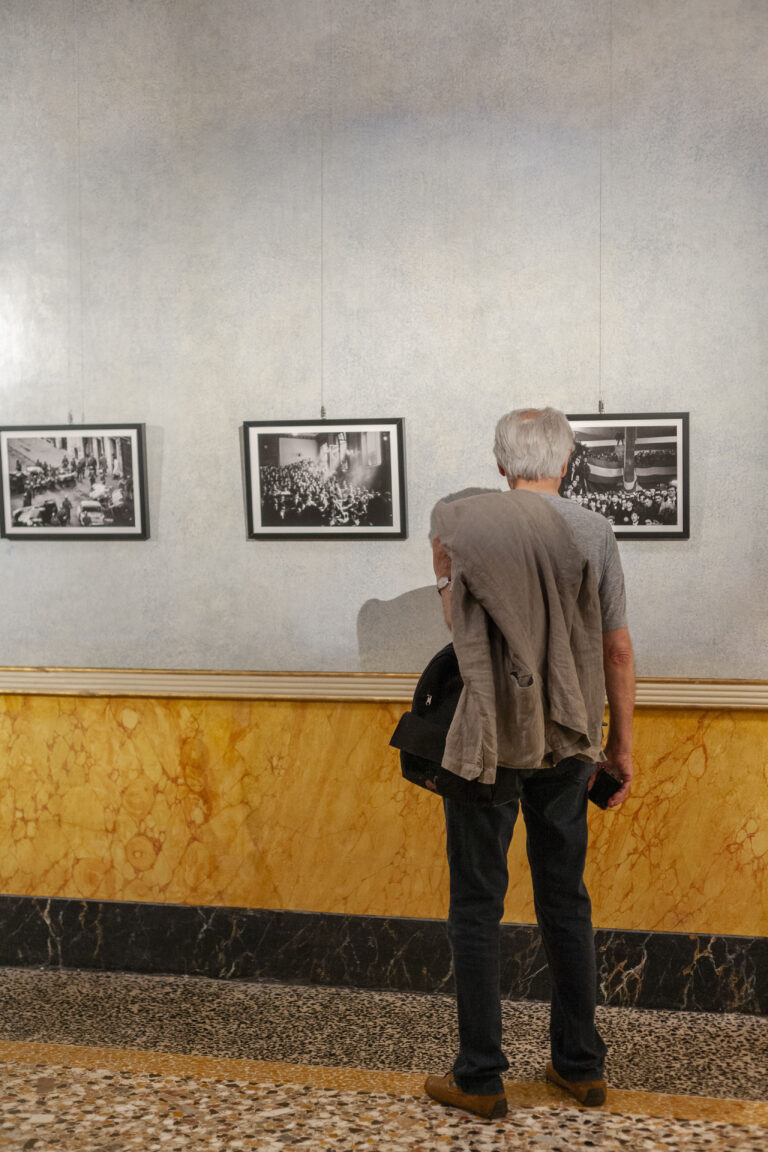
533	590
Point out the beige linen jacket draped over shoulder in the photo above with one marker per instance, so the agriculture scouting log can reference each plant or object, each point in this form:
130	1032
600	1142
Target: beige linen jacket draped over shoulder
526	624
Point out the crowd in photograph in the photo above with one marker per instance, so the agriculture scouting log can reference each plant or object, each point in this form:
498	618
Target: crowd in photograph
642	503
101	495
611	458
640	506
304	494
655	457
42	475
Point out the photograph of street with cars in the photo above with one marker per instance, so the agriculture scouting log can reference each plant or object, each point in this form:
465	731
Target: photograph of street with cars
73	482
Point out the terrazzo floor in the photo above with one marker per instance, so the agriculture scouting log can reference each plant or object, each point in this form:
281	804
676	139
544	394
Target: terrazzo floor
106	1062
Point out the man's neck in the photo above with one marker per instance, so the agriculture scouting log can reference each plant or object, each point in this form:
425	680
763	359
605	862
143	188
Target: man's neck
547	484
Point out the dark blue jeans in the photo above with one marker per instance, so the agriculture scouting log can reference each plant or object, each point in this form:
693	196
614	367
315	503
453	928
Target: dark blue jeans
554	804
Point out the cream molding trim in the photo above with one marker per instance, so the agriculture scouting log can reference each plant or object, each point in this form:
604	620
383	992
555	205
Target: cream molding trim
386	686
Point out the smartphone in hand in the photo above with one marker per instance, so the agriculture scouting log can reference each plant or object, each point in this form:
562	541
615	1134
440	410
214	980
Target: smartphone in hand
605	786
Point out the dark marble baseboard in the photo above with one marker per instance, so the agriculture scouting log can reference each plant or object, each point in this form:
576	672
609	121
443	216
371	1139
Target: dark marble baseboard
636	969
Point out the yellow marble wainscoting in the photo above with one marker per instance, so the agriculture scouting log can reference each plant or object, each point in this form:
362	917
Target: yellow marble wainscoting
300	806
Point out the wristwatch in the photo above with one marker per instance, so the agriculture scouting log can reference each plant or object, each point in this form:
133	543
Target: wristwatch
443	582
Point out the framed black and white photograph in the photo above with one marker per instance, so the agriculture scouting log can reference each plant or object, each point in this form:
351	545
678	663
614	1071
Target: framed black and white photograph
325	479
632	469
73	482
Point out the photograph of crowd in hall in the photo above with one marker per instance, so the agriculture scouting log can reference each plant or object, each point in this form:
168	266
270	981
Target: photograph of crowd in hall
73	482
323	479
634	471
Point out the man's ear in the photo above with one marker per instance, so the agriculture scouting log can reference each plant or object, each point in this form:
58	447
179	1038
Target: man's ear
501	470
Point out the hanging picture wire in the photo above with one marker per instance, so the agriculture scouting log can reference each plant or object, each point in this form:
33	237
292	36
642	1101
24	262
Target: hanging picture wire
326	127
606	114
80	325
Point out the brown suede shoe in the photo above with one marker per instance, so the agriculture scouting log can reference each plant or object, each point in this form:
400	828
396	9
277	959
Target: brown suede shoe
446	1091
590	1093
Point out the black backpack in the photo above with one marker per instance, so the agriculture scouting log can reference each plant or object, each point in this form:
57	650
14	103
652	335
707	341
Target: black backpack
421	733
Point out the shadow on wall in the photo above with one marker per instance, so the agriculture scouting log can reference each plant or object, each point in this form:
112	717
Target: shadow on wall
402	635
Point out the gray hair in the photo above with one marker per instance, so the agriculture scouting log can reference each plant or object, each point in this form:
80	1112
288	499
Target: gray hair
533	443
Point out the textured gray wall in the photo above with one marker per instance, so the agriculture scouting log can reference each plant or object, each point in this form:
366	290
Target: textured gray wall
160	260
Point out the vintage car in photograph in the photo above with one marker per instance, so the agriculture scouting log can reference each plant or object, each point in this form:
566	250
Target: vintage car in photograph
121	507
92	514
101	493
41	513
36	479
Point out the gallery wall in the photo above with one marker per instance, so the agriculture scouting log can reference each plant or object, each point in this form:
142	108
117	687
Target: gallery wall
223	210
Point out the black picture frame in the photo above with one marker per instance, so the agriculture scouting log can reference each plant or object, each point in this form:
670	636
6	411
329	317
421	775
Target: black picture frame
325	479
73	482
632	468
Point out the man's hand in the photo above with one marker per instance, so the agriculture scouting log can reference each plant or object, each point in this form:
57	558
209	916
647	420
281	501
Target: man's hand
619	764
619	668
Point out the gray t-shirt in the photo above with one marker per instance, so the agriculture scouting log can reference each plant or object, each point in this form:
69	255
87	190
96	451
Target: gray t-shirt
596	539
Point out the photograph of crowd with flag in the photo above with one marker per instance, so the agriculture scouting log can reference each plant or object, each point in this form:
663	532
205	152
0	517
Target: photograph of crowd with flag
633	470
